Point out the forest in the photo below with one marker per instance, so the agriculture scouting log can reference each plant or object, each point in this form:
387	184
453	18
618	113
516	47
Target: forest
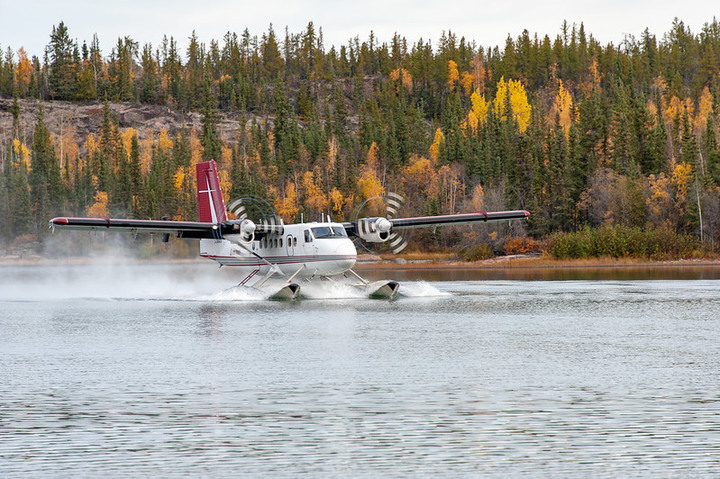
603	144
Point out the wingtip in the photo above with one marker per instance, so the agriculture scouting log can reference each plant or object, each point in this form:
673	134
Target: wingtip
59	221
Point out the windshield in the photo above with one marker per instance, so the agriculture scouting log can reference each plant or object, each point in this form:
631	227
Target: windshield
322	232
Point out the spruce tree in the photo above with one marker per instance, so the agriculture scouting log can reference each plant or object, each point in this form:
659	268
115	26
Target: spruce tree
138	194
209	135
62	79
44	178
712	151
20	203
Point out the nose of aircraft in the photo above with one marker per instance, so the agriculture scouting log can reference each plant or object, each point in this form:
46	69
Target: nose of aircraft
345	253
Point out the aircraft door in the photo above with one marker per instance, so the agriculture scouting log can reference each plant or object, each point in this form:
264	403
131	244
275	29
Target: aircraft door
291	242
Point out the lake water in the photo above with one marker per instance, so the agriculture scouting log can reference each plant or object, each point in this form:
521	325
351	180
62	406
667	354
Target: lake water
155	370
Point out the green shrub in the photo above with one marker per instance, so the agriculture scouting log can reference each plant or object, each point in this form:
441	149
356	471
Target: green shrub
477	252
618	241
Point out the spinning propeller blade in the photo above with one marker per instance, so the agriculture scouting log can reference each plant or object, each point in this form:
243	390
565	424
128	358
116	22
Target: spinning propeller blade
379	229
397	237
237	207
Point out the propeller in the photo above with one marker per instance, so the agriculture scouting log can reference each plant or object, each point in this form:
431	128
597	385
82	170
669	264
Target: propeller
267	219
397	239
379	229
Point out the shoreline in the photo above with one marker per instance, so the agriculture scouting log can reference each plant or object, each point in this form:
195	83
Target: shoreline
524	262
417	263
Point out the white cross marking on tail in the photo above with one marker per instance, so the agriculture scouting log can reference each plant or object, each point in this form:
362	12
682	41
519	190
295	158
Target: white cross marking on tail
209	191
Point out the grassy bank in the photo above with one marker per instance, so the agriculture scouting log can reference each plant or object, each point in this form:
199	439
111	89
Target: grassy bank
616	241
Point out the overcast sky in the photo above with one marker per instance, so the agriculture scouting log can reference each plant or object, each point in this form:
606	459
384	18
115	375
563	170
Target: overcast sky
28	24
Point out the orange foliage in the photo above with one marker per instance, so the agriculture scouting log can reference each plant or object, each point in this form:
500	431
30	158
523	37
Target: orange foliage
369	185
593	78
467	80
225	183
705	106
518	102
22	153
478	198
179	178
226	155
338	202
126	138
452	183
406	77
372	156
420	178
195	148
479	106
332	152
563	108
99	209
682	176
677	108
479	73
453	75
472	122
287	207
91	145
23	72
435	147
314	196
65	146
164	142
521	245
659	202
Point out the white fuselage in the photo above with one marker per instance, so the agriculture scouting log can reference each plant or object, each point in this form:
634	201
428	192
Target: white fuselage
308	249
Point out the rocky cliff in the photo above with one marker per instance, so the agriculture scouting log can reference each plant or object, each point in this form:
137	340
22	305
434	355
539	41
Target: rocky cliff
87	118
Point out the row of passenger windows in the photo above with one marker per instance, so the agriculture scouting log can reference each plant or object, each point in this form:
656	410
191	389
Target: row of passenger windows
276	242
323	232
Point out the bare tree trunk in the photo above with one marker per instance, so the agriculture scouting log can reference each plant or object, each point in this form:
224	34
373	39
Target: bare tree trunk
697	195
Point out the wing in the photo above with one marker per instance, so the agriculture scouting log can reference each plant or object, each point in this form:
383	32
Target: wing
460	219
182	229
380	229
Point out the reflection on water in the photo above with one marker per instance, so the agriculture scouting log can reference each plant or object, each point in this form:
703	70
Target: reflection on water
551	273
455	378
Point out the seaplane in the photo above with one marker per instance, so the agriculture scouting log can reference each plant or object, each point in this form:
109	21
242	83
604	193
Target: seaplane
274	257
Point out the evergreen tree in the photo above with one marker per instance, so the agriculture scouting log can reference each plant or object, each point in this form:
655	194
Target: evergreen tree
561	201
120	68
712	151
7	73
17	208
688	148
209	136
151	83
103	161
44	178
63	62
136	182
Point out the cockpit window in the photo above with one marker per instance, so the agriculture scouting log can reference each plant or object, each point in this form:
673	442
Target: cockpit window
323	232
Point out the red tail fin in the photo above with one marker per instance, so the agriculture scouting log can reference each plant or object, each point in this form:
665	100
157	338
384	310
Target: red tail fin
210	198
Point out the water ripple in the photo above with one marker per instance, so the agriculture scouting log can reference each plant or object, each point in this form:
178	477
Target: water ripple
491	379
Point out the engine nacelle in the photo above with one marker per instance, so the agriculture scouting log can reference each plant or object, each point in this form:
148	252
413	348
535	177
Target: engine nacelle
239	231
374	230
247	231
